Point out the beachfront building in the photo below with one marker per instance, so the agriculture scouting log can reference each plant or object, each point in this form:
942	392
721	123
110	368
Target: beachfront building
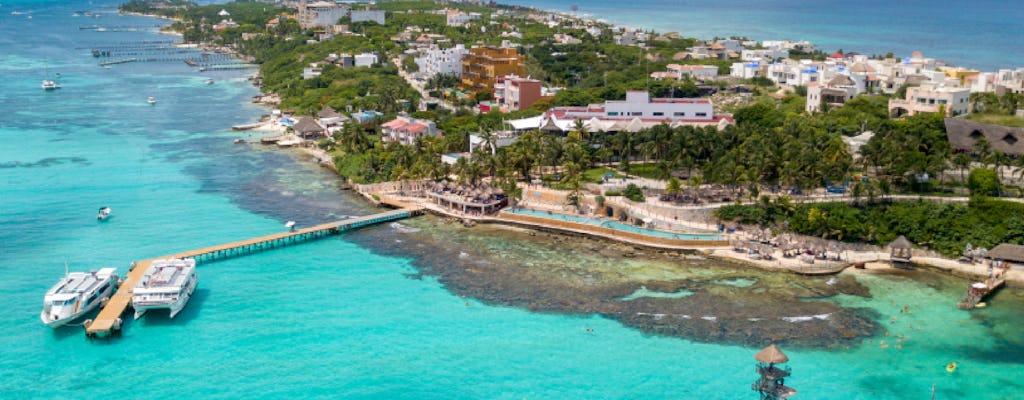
367	15
931	98
514	93
637	112
320	13
330	117
405	130
482	66
435	62
307	128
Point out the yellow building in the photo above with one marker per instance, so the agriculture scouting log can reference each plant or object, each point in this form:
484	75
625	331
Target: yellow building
482	65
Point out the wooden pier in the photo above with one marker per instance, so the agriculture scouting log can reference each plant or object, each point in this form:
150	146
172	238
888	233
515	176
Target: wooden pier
109	320
977	291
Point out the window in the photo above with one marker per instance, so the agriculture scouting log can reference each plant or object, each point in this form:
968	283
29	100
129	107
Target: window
659	114
613	113
636	114
700	114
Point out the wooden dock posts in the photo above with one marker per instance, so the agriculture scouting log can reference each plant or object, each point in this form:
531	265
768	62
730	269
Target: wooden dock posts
109	320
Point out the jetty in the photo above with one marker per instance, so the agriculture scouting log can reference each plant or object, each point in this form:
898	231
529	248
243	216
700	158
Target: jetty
109	320
978	291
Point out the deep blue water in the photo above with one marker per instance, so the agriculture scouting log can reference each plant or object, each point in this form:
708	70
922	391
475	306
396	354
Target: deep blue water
983	34
333	318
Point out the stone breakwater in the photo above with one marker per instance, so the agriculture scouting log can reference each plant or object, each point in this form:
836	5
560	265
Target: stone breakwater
657	292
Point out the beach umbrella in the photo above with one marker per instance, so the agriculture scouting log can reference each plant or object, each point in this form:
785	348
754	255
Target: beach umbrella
771	355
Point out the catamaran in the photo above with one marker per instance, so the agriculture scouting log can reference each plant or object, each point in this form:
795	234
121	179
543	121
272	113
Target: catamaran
76	294
166	284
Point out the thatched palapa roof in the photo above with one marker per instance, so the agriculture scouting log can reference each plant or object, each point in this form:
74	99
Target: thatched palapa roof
771	355
901	243
1007	252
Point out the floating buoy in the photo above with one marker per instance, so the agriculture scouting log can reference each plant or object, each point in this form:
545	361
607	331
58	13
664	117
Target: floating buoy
951	367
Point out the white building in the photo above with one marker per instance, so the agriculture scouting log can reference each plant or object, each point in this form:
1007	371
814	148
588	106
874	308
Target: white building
931	98
367	15
746	70
766	55
312	71
442	61
693	71
836	92
638	103
320	13
456	18
365	60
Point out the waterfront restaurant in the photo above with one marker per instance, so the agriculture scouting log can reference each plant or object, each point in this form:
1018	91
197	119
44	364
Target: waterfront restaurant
476	200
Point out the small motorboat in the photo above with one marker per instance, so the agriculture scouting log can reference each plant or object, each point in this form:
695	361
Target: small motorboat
209	81
151	100
290	225
50	84
103	214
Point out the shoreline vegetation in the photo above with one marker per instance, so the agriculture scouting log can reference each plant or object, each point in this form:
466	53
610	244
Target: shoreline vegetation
775	155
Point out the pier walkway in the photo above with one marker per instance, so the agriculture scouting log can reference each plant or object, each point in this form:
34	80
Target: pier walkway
109	319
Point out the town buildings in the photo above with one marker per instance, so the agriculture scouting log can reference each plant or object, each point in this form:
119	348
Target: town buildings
405	130
320	13
514	93
637	112
483	65
435	61
931	98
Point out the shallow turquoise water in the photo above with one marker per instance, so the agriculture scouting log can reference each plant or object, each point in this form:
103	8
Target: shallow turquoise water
333	319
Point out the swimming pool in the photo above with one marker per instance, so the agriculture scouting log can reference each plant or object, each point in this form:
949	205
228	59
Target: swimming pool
616	225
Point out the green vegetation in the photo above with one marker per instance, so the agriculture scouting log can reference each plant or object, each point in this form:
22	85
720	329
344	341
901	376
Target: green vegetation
946	228
1004	120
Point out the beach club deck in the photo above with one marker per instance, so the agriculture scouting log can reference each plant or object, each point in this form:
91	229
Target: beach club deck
109	320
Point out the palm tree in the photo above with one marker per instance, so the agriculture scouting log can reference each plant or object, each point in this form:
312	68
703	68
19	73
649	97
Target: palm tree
962	161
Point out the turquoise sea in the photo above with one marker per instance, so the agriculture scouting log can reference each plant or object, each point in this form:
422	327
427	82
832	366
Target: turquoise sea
345	317
982	34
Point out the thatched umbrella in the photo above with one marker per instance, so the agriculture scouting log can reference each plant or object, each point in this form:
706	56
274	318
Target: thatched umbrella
771	355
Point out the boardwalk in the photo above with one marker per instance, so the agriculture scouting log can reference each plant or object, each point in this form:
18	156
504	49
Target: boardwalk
109	318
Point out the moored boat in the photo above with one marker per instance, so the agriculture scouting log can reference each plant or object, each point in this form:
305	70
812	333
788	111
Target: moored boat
103	213
76	294
166	284
151	100
49	84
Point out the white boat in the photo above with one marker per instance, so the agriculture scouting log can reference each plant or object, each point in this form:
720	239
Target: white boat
50	84
103	213
166	284
209	81
151	100
76	294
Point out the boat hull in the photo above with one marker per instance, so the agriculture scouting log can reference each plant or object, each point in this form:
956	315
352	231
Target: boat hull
175	307
59	322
